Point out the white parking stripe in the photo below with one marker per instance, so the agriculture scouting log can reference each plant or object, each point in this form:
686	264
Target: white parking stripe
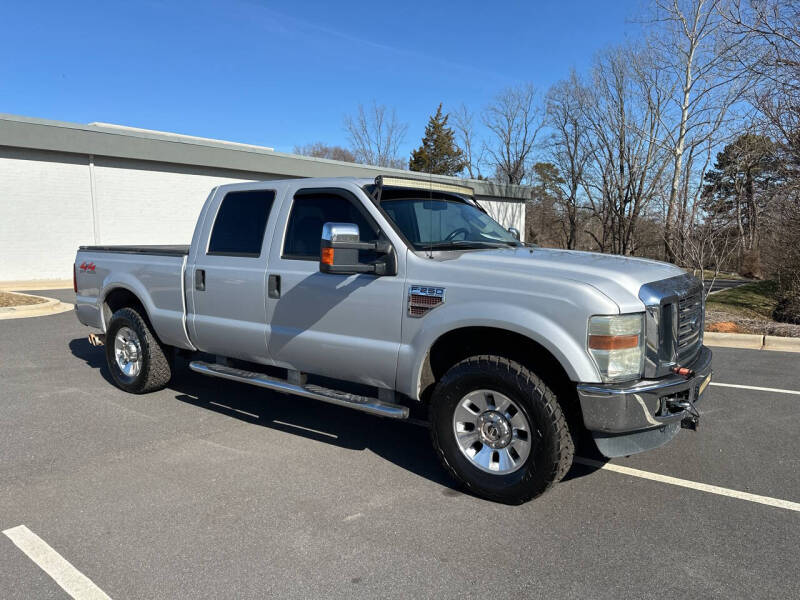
703	487
753	387
72	581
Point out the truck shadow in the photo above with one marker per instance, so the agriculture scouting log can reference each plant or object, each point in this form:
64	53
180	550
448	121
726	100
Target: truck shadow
402	443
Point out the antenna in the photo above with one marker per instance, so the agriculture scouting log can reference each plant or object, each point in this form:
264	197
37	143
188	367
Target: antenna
430	199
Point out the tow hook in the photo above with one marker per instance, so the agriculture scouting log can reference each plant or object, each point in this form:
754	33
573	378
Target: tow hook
97	339
691	420
684	371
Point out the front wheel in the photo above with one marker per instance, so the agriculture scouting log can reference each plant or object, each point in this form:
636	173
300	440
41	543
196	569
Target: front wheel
499	430
138	362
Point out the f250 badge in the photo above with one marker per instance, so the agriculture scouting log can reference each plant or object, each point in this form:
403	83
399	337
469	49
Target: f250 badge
423	299
87	267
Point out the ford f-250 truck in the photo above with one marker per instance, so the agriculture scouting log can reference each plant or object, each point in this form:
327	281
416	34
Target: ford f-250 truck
382	294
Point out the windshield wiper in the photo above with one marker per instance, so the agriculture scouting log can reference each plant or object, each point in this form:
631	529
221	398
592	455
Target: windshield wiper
462	245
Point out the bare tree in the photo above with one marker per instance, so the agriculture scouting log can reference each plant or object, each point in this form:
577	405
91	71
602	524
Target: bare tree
323	150
375	134
708	248
513	121
569	147
702	59
773	27
627	161
464	124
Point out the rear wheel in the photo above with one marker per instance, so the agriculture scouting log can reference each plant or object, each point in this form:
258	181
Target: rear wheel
138	362
500	430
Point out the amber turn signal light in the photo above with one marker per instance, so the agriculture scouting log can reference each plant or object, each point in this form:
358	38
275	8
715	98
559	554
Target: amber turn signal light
327	256
613	342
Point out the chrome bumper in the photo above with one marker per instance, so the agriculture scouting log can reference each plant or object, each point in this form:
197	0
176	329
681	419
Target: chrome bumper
633	417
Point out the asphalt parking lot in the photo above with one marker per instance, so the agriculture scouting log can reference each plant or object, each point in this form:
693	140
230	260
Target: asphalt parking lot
212	489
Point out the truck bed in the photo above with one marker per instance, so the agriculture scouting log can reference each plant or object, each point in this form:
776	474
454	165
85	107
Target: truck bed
167	250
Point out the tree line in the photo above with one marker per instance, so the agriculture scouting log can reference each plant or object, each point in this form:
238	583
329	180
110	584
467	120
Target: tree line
683	145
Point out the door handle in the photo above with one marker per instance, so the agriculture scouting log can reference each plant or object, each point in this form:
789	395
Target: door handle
274	286
200	279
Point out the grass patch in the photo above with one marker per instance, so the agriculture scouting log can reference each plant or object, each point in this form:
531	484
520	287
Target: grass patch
709	275
10	299
754	300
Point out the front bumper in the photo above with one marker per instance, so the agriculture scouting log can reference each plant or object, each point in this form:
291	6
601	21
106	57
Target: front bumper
636	416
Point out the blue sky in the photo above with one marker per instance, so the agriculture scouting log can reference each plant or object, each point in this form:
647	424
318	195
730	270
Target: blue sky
281	74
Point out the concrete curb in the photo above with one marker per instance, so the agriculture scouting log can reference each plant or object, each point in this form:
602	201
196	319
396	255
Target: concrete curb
751	341
782	344
50	306
37	284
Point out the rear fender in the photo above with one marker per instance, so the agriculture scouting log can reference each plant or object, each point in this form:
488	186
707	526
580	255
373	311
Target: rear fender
166	316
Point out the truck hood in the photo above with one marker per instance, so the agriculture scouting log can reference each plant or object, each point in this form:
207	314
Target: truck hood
618	277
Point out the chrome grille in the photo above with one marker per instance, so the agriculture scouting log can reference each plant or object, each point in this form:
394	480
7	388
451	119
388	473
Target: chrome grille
673	323
690	325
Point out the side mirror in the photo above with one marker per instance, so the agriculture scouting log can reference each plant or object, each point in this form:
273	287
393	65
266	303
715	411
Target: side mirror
514	231
339	249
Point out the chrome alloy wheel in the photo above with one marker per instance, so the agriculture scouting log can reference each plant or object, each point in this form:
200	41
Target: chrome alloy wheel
492	432
128	352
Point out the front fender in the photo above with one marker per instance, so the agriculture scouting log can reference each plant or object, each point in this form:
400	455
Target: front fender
567	347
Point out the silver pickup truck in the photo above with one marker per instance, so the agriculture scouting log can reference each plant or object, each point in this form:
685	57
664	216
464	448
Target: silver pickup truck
387	294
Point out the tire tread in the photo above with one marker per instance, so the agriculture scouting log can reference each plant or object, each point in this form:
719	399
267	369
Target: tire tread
526	379
157	368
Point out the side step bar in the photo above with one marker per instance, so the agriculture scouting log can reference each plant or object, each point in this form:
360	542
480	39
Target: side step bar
362	403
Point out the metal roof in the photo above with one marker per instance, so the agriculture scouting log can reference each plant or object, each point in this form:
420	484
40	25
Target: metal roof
102	139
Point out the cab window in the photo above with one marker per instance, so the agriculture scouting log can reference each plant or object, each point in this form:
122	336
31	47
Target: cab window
310	211
241	222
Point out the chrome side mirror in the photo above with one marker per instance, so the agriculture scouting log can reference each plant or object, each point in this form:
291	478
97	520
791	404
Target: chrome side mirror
514	231
339	247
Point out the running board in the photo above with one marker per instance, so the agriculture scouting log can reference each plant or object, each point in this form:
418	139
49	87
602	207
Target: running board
362	403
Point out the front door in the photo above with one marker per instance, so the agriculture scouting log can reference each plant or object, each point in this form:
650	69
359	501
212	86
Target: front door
228	277
341	326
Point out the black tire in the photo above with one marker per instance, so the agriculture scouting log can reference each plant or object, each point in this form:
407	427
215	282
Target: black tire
550	456
156	369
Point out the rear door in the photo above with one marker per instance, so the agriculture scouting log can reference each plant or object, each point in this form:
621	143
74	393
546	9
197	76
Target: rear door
227	274
341	326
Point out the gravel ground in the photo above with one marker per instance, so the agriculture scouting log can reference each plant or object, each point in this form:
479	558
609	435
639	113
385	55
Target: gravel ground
11	299
732	323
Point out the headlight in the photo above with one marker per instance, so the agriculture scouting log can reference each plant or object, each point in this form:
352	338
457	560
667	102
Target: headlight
616	344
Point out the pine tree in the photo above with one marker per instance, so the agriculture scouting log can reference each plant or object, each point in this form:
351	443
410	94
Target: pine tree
738	190
439	154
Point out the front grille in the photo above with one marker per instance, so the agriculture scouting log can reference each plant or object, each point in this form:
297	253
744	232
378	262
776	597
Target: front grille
690	325
673	323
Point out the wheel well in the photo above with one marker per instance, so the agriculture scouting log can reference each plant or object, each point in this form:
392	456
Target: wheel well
454	346
122	298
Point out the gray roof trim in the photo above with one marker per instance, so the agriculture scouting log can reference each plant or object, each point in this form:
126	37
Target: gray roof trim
59	136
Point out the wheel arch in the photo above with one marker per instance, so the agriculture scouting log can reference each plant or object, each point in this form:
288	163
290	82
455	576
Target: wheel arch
119	296
459	343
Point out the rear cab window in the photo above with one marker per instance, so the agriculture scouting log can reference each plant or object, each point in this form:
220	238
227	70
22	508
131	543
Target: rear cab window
240	223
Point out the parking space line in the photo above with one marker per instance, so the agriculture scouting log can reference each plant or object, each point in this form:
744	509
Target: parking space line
317	431
753	387
72	581
703	487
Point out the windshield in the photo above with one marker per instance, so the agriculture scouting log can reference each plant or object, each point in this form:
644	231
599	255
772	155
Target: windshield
445	223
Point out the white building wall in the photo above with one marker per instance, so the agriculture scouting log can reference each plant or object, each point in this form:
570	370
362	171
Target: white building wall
46	208
508	214
150	203
45	213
